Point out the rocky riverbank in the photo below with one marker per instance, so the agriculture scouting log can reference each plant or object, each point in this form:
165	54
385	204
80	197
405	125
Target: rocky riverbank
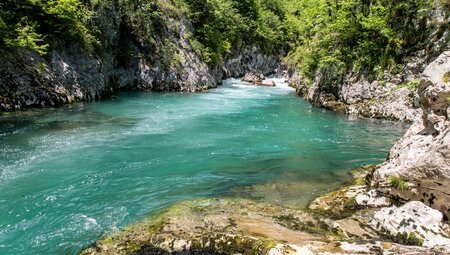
398	207
391	93
137	53
343	222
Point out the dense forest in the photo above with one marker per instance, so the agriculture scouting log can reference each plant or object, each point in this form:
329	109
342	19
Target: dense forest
363	35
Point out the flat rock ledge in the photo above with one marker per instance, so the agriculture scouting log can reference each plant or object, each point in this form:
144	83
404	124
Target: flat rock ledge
353	220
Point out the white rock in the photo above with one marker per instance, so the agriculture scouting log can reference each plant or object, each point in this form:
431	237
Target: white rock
356	248
424	151
412	218
290	249
372	198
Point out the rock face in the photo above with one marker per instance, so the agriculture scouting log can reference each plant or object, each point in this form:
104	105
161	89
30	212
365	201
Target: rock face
433	193
127	60
422	156
249	59
424	151
357	95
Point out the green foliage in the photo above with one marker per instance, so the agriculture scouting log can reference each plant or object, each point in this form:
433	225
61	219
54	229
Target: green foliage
224	25
363	35
398	183
75	18
409	239
217	24
27	37
39	24
410	85
446	77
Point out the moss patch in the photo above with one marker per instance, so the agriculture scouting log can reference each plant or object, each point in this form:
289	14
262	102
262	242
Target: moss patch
410	85
446	77
398	183
409	239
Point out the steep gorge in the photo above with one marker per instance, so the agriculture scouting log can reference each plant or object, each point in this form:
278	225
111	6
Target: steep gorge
149	49
156	48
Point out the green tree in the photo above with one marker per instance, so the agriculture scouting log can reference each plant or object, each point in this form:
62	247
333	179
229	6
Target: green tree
27	37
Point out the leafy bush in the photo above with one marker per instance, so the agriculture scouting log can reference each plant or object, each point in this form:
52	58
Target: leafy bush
37	24
410	85
26	37
221	25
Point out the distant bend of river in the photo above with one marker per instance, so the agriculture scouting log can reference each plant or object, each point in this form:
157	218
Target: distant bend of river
72	174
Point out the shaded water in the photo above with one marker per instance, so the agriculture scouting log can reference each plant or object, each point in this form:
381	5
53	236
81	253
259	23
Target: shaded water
70	175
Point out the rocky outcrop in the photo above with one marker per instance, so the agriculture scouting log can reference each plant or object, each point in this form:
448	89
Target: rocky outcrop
348	221
355	94
417	170
420	161
219	226
424	151
433	193
390	95
27	79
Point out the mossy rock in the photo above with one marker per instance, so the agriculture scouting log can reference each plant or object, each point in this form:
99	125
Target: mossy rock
212	226
408	239
341	203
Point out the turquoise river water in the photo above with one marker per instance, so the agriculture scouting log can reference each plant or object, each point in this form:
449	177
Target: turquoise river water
72	174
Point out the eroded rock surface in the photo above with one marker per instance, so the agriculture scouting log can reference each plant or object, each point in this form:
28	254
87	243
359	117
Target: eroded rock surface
258	79
433	193
253	77
424	151
413	223
220	226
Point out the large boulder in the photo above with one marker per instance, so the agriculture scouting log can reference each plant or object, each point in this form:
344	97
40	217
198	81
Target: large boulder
253	77
414	224
258	79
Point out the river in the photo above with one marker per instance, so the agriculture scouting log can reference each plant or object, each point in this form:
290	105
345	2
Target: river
73	174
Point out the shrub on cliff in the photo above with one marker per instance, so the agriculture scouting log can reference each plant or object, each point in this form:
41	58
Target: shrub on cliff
363	35
36	24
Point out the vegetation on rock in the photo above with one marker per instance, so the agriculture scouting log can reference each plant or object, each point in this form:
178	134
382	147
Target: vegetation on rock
398	183
364	35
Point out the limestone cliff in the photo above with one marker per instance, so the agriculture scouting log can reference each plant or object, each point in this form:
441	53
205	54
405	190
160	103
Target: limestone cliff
424	151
